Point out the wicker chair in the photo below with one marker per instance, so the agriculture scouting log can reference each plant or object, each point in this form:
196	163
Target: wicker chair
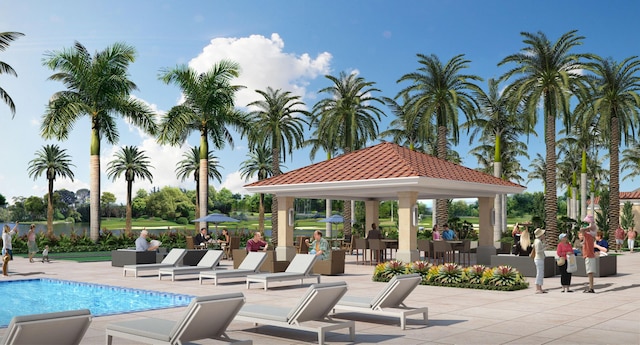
424	246
190	244
378	250
361	243
234	243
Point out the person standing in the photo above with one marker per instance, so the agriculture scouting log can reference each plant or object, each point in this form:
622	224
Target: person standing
32	246
448	234
588	252
631	238
619	234
538	259
7	235
436	233
564	249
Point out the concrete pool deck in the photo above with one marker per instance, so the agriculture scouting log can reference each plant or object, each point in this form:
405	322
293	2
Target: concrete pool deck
456	316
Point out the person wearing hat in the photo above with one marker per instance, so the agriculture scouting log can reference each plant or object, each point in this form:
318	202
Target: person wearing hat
564	249
538	259
589	233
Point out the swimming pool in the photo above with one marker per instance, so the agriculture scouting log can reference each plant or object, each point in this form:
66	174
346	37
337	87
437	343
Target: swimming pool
35	296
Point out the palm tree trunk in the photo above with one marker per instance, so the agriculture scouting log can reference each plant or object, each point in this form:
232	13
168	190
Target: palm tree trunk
94	176
127	225
50	208
550	195
197	178
261	213
346	210
614	170
441	204
275	154
204	177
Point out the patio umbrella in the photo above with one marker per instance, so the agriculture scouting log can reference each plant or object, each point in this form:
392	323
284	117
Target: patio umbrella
215	218
334	219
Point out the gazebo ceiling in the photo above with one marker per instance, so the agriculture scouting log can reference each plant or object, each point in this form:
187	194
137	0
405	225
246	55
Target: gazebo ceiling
379	172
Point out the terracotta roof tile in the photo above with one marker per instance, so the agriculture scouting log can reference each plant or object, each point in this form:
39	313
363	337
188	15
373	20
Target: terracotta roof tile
382	161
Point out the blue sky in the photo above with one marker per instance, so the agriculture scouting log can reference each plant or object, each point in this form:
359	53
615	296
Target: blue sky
283	44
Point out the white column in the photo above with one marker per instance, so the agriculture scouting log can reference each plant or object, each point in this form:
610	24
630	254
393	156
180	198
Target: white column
328	211
497	204
434	213
407	229
487	243
285	250
583	195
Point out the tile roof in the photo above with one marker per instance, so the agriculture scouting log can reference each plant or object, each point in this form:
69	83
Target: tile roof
634	195
382	161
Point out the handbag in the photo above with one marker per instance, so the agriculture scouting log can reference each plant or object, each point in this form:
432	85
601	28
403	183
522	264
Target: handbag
572	265
533	253
561	261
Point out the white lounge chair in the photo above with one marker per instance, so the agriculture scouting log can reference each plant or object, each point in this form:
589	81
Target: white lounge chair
250	264
172	259
206	317
66	327
310	314
389	301
299	268
208	262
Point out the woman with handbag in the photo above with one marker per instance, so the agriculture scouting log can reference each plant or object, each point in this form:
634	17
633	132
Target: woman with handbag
564	249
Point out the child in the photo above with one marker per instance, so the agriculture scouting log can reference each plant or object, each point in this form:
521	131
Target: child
5	264
45	254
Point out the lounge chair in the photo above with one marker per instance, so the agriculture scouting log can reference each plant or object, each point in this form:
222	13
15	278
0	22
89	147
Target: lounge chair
313	308
250	264
299	268
172	259
66	327
389	301
208	262
206	317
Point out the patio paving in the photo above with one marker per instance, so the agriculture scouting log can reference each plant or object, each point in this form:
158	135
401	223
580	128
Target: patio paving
456	316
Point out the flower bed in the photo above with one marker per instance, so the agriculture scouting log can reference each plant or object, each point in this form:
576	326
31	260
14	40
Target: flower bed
503	278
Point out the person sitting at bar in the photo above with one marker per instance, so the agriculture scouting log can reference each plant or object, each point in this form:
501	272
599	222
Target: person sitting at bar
448	234
374	233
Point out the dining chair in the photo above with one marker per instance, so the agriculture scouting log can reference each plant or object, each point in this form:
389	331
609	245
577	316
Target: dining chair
423	247
466	251
190	243
441	249
348	242
378	250
361	244
234	243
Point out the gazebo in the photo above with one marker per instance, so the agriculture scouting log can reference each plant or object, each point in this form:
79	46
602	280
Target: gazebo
385	172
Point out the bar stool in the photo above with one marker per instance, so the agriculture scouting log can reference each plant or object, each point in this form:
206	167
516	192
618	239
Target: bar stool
378	248
361	243
423	246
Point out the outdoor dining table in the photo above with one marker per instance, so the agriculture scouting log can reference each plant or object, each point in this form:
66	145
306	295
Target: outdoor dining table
390	244
456	245
336	242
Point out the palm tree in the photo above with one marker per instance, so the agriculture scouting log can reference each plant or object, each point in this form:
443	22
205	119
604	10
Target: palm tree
278	125
55	162
404	130
98	87
133	163
348	118
570	164
631	161
438	92
5	39
207	110
190	165
538	169
260	163
547	72
616	99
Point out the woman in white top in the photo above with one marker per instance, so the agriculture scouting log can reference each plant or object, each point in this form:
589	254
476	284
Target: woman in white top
7	234
538	259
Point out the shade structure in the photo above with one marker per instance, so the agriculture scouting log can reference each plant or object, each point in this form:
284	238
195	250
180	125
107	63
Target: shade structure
215	218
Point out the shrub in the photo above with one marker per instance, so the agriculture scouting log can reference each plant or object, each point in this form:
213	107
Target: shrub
182	221
503	278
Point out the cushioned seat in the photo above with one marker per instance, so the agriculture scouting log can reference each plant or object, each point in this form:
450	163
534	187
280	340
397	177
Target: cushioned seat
249	265
172	259
299	268
208	262
66	327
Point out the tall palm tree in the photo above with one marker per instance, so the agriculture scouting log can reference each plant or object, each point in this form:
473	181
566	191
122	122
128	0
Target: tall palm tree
260	163
439	92
207	109
538	169
5	39
190	165
547	72
570	163
348	117
279	125
133	163
55	162
616	99
98	87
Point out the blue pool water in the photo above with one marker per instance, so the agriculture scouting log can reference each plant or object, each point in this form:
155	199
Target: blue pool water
35	296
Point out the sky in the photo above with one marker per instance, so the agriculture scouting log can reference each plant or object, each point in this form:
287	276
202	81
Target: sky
283	44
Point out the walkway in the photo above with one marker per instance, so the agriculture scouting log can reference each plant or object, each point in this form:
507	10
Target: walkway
456	316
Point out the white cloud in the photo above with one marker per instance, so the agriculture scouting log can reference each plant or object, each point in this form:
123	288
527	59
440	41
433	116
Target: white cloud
235	183
35	122
263	63
58	184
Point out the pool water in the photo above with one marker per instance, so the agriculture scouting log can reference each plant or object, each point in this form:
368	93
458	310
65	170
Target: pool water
35	296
